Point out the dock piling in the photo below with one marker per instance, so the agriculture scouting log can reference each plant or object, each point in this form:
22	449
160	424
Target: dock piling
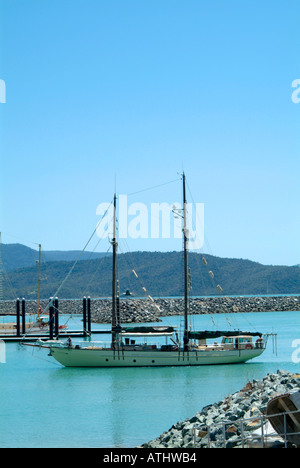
84	316
18	334
56	318
23	317
89	315
51	317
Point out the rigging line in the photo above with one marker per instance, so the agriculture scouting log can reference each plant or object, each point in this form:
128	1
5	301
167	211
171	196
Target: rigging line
212	279
19	238
193	202
97	269
154	186
130	263
209	248
127	278
88	263
210	251
233	314
11	289
51	302
129	260
79	256
145	293
33	354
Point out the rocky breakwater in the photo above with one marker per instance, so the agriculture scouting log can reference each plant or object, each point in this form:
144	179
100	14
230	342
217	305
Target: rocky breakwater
219	305
144	310
206	428
131	310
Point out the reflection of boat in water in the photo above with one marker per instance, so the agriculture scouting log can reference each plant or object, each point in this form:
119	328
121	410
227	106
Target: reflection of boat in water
283	412
190	349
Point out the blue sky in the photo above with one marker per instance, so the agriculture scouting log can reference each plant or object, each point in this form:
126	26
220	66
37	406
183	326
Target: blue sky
131	91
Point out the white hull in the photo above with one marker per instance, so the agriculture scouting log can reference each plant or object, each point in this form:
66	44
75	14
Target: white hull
109	358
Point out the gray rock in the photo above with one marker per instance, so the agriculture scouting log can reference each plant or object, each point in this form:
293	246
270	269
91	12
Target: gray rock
249	402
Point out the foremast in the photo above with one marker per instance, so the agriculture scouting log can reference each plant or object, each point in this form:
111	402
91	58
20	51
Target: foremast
115	316
186	275
39	283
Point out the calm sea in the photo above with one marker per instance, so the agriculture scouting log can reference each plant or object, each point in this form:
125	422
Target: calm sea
45	405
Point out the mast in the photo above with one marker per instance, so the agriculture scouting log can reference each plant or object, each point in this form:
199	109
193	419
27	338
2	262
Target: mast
39	282
114	277
185	253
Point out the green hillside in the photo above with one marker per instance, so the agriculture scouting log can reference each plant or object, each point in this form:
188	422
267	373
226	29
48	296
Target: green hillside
161	273
19	256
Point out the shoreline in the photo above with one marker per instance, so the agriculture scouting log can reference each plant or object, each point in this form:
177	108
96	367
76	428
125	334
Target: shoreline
150	310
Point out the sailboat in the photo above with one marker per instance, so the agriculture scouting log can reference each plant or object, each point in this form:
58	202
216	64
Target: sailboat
34	325
192	350
39	323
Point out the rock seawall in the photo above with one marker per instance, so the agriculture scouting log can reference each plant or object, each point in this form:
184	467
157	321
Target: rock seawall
219	305
131	311
249	402
144	310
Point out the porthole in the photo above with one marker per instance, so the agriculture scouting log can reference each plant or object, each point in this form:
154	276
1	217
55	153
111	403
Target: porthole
134	360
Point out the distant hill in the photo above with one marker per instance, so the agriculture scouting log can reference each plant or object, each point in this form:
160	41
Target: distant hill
161	273
19	256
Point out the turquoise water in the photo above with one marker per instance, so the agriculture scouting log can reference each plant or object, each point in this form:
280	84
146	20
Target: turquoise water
45	405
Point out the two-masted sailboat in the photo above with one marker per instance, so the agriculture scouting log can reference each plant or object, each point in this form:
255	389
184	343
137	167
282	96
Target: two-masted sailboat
192	349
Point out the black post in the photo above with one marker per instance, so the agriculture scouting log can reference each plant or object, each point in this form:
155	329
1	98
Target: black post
51	313
89	315
18	317
56	319
84	317
23	317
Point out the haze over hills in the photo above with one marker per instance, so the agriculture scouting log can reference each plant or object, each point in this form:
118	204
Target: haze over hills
161	273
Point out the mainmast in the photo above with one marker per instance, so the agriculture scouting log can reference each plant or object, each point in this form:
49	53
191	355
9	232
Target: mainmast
114	277
39	283
186	276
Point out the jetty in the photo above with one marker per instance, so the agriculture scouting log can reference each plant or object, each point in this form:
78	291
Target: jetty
19	330
132	310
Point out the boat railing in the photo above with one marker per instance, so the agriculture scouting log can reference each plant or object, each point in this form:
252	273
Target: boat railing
120	347
254	432
92	344
230	346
